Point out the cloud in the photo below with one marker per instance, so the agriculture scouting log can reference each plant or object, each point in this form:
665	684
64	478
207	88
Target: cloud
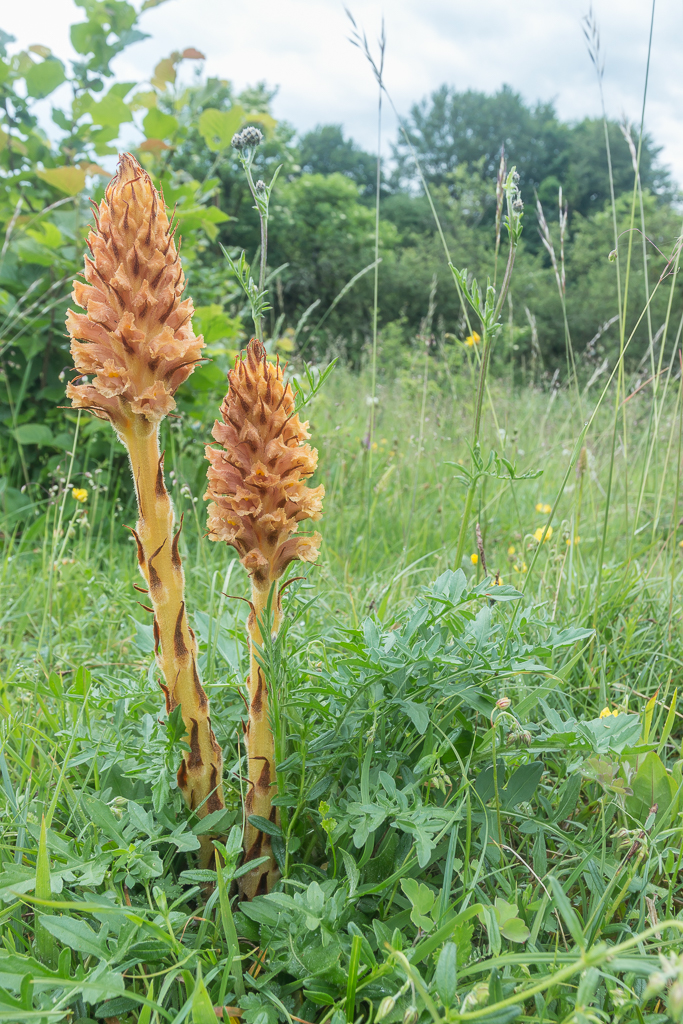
302	46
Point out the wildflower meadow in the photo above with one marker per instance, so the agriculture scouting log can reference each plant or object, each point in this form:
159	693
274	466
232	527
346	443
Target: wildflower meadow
341	553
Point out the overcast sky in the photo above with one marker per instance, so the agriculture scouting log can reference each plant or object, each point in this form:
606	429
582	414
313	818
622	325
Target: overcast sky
302	47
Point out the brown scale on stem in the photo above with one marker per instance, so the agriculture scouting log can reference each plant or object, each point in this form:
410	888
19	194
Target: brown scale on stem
258	498
132	348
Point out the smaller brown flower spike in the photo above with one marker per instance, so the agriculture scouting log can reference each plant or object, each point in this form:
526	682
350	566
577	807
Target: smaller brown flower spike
258	498
135	339
256	481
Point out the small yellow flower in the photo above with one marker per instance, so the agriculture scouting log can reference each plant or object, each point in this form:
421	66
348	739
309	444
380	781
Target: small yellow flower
569	541
374	446
472	339
511	550
605	713
498	582
80	493
680	543
615	712
543	508
383	441
474	558
521	568
543	534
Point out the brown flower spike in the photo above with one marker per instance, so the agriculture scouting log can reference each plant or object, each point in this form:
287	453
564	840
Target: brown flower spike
258	498
137	344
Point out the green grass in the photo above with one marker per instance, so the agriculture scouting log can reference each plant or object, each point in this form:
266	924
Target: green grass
398	835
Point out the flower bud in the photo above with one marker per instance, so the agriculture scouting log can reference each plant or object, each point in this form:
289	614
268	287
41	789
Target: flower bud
503	703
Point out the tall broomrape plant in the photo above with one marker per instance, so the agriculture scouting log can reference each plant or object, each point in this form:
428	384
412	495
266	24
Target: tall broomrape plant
258	498
133	347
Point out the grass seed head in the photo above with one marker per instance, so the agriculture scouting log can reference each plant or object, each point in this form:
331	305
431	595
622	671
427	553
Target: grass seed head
256	478
135	339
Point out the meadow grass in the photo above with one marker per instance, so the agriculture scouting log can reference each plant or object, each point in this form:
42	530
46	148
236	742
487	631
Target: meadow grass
82	712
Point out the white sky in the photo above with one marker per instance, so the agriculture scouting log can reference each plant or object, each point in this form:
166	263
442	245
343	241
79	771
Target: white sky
302	46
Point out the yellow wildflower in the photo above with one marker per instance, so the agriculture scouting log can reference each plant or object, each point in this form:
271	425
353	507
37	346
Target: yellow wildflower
511	550
472	339
79	493
569	541
543	508
521	568
543	534
474	558
498	582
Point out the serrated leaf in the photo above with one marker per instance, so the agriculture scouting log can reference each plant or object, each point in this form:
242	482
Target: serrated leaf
76	934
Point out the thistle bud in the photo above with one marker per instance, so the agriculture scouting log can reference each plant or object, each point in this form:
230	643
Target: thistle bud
248	138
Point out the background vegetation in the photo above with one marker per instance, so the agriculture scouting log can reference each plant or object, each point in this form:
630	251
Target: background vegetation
463	837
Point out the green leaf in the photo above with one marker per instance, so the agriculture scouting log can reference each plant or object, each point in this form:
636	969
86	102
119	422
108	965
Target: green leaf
422	899
446	974
417	713
44	78
158	125
522	785
33	433
264	825
45	943
202	1007
70	180
567	912
217	127
651	785
75	934
110	112
515	930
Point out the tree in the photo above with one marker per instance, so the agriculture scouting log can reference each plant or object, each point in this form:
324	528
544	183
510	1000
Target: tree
325	151
452	129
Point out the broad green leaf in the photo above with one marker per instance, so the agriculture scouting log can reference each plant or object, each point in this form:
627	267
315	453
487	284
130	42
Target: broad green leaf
515	930
44	78
651	786
522	785
110	112
33	433
217	127
76	934
67	179
158	125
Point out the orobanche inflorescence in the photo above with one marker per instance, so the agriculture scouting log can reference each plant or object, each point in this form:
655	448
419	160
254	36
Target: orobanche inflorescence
258	498
133	347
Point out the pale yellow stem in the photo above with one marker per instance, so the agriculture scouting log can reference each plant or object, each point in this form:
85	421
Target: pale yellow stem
201	771
260	751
